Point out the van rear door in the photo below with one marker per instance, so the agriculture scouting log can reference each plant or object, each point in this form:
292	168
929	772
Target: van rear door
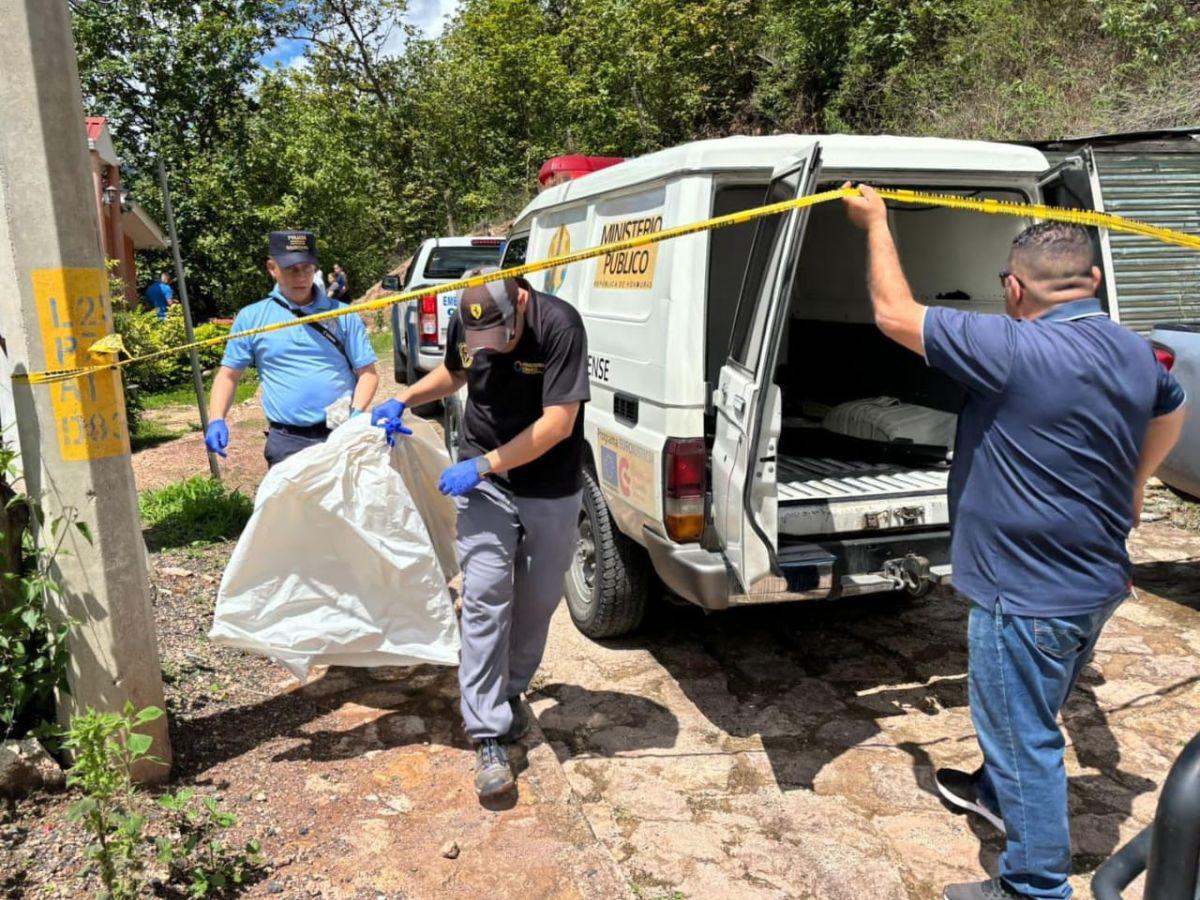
1075	184
746	402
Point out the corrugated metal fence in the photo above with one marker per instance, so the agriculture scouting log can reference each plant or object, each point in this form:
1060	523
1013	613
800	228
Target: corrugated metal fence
1156	282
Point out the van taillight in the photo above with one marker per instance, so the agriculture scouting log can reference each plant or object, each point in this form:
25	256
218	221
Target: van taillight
1164	356
683	499
429	323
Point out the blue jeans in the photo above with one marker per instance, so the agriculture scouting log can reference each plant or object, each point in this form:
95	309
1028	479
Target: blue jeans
1021	670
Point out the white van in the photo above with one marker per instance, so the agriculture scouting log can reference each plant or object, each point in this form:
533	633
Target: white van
719	360
419	326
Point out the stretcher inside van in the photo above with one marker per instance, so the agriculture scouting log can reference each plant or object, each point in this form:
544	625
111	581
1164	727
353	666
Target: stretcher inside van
755	438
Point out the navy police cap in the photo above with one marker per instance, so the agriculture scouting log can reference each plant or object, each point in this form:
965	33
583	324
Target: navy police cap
290	248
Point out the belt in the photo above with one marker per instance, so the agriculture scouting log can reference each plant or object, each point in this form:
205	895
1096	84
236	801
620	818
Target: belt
319	430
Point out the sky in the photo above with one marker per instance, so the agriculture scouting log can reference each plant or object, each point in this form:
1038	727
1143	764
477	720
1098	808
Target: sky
429	16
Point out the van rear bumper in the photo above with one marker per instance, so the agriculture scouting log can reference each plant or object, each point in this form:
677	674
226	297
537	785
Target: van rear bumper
812	571
689	570
704	578
428	360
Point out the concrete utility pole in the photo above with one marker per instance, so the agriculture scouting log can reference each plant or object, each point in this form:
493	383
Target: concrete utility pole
54	303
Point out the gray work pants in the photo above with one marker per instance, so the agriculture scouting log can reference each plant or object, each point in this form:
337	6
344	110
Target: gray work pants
514	553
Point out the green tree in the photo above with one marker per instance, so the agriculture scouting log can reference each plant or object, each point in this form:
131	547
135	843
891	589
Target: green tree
175	78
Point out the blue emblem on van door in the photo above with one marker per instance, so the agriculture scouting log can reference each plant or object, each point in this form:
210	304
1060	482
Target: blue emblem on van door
608	466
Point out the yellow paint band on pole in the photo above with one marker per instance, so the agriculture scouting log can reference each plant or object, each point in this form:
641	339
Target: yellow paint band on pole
1089	218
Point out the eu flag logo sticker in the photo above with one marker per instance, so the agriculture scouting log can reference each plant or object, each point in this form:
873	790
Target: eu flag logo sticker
608	466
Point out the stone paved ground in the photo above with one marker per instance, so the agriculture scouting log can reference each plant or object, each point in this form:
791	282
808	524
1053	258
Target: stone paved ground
789	751
774	752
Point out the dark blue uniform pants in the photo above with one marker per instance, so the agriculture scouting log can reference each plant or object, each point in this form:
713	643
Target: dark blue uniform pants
284	440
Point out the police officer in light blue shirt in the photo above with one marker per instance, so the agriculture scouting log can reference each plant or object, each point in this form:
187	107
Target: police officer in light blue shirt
303	369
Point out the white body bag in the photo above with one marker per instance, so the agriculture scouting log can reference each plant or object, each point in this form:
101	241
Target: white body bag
346	557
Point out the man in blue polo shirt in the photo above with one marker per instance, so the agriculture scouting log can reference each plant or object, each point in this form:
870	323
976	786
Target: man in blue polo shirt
1067	414
160	295
304	368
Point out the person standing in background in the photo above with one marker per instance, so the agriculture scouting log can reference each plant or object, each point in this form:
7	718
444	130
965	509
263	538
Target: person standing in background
160	295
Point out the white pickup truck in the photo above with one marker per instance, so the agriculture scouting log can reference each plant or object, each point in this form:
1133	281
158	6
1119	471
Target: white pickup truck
419	326
722	362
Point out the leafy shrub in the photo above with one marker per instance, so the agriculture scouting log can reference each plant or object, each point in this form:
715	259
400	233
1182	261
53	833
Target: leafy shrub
33	649
210	357
106	747
195	853
143	332
199	510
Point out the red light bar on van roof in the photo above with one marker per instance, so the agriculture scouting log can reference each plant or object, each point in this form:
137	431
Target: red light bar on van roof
486	242
558	169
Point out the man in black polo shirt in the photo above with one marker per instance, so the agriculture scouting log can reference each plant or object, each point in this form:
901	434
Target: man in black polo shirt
523	356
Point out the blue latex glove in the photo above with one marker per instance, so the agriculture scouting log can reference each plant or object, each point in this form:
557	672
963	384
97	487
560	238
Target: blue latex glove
388	409
216	437
459	479
393	427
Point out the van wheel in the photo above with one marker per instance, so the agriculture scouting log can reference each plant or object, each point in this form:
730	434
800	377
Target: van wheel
452	426
607	582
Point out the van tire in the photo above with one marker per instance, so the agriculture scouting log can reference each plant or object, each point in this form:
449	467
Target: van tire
614	602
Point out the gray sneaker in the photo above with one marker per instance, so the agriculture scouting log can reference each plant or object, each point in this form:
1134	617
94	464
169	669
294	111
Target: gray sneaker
961	789
493	775
520	721
992	889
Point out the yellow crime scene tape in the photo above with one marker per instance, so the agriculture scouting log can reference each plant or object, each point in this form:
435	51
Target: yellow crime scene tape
111	344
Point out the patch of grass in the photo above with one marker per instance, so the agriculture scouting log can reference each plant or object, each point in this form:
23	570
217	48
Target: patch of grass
185	395
196	511
150	434
383	343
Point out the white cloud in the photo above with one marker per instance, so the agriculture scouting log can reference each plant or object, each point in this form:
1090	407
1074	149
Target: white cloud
288	53
430	16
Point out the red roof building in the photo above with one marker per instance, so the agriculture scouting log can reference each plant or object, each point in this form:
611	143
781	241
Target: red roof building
124	226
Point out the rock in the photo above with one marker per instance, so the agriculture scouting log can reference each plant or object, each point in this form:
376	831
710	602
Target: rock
400	804
450	850
176	572
25	766
274	887
260	797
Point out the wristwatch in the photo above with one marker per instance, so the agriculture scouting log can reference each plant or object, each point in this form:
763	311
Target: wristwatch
482	466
